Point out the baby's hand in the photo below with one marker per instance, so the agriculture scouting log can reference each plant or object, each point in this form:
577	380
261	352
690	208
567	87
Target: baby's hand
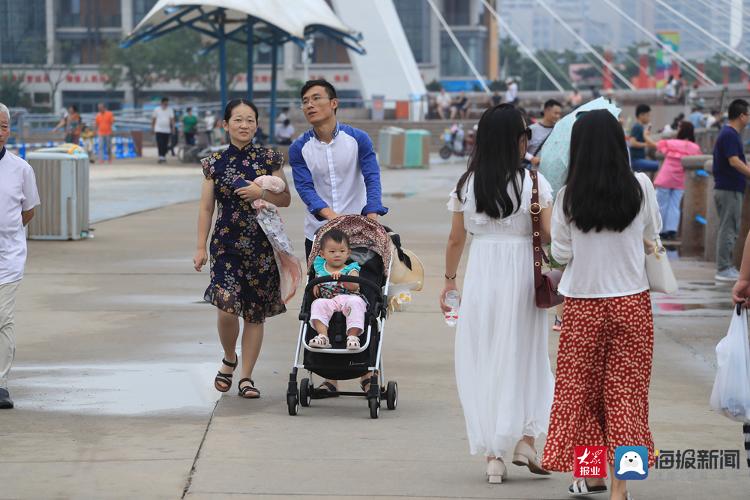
336	275
316	291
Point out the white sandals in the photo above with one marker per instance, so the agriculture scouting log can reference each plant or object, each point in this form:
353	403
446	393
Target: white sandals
320	342
581	487
352	342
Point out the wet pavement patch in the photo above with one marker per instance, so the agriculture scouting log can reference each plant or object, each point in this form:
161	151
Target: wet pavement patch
116	389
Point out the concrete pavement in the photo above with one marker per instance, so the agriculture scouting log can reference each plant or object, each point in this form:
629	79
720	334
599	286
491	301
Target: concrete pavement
117	352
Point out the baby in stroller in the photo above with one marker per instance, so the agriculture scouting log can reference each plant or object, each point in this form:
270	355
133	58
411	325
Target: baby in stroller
334	297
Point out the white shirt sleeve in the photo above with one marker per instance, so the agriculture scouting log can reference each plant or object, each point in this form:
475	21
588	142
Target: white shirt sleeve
562	242
30	193
454	204
650	208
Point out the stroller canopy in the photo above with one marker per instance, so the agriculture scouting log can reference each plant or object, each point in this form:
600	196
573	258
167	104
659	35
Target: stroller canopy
362	232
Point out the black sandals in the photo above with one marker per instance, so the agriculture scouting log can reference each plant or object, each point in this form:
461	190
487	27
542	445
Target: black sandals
223	381
325	390
249	391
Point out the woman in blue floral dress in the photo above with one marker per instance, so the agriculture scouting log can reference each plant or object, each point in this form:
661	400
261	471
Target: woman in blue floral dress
244	275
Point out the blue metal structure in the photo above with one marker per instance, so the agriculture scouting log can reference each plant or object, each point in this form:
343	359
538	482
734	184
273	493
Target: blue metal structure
212	22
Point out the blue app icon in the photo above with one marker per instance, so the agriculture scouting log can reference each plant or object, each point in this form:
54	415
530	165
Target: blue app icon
631	462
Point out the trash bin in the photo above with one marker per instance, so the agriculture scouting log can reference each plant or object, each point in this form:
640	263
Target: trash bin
391	147
417	148
402	110
63	182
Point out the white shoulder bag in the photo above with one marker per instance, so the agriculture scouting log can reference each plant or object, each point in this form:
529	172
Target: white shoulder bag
658	269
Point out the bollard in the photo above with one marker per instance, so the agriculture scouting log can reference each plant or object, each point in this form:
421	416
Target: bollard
22	151
697	183
131	148
119	149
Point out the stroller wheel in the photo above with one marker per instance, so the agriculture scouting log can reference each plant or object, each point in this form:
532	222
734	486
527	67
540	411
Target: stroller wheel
305	392
391	395
374	407
292	403
446	152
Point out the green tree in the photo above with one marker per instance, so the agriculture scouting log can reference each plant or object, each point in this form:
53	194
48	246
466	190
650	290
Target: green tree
54	75
193	66
12	90
178	55
139	66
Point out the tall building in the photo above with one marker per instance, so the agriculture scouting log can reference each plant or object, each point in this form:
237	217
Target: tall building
600	25
69	35
593	20
714	16
434	50
22	31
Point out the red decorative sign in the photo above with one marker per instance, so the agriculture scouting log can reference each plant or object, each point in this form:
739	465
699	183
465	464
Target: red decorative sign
590	461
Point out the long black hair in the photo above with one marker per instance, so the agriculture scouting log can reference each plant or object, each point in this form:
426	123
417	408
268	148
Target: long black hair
601	191
496	161
686	131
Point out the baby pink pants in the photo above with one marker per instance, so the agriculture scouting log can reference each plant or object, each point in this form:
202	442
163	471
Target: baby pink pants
351	306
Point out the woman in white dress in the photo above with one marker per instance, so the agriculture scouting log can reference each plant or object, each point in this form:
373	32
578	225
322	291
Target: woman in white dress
502	365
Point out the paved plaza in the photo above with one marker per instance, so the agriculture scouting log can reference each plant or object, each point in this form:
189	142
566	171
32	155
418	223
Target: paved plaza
113	380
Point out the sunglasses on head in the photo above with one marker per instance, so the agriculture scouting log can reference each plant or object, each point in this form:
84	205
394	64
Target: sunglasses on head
527	132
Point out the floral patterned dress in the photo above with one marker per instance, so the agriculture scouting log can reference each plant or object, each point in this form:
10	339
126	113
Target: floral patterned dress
244	275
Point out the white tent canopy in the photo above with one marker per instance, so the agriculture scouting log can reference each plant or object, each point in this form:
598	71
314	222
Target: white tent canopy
296	18
247	22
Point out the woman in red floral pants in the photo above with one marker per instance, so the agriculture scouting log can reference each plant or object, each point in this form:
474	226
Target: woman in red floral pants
602	224
603	374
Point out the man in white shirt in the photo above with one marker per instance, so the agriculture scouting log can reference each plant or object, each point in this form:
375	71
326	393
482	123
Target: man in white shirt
444	102
285	132
335	173
18	197
511	93
542	129
162	123
334	165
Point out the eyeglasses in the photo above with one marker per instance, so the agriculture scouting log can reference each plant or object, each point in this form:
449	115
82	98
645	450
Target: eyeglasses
314	100
527	131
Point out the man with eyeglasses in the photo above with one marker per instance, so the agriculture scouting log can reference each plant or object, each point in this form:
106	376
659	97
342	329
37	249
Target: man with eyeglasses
730	171
335	173
334	166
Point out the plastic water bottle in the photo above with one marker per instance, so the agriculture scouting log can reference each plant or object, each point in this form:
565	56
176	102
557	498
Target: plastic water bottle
452	300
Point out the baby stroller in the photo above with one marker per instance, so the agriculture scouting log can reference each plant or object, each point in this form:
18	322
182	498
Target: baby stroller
371	249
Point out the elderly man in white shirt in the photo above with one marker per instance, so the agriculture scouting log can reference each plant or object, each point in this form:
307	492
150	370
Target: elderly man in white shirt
18	197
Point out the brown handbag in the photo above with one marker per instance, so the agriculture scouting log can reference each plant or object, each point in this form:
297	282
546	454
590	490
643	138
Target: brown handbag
545	283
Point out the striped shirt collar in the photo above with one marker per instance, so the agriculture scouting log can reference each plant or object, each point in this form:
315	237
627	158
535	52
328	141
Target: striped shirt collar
335	132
